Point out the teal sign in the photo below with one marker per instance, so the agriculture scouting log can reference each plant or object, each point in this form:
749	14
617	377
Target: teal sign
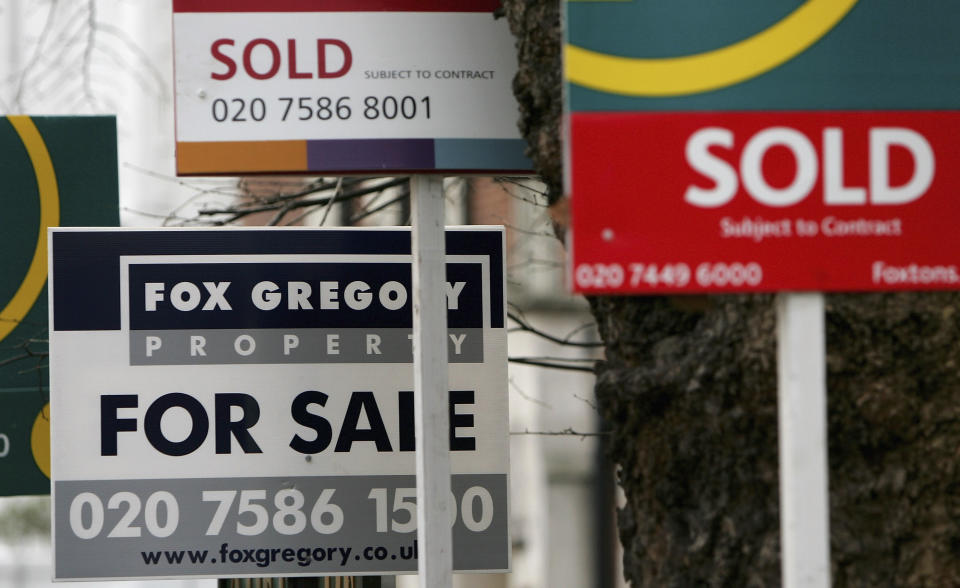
58	171
24	442
690	55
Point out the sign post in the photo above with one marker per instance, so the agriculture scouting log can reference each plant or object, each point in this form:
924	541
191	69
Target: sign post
756	152
802	408
430	382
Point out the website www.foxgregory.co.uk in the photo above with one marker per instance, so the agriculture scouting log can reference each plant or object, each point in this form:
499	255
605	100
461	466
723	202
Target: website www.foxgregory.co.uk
264	556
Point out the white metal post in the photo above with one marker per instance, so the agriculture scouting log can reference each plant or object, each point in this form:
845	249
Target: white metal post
432	419
802	400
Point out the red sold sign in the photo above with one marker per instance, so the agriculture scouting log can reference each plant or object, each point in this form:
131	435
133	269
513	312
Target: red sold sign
764	148
764	201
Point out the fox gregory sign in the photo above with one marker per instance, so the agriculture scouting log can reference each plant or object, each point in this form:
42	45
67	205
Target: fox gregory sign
240	402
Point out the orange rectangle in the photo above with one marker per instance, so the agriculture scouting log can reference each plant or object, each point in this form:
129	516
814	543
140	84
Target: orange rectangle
241	157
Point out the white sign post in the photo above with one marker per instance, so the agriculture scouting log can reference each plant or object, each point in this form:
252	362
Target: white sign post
802	407
430	377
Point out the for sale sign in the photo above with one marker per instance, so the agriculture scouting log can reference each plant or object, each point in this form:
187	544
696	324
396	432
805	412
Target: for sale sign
240	402
344	86
760	146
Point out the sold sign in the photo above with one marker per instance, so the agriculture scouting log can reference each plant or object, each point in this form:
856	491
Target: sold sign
725	159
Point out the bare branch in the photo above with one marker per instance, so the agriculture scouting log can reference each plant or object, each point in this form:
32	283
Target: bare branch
557	364
524	395
568	432
523	325
371	211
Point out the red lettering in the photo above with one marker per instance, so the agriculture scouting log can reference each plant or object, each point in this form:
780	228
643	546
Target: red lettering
224	59
322	58
274	55
292	66
264	65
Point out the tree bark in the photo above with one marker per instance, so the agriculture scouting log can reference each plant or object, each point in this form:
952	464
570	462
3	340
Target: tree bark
688	388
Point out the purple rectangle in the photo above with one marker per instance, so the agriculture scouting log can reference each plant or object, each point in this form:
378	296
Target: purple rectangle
367	155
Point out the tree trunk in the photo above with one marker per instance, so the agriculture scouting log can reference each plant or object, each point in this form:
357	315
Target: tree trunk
689	389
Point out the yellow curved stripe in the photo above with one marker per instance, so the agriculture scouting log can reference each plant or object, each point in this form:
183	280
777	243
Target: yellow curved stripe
36	277
40	440
712	70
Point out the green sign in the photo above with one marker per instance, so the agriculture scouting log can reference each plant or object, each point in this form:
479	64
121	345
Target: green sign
691	55
24	442
58	171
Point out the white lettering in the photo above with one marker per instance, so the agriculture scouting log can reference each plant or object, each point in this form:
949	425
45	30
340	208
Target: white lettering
834	192
373	344
357	295
217	298
6	445
153	343
722	173
185	296
290	342
751	166
881	139
298	294
152	293
244	345
197	344
393	295
453	294
265	295
328	296
333	344
457	342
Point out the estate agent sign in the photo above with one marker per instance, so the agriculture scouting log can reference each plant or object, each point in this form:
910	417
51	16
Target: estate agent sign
344	86
57	171
757	145
242	399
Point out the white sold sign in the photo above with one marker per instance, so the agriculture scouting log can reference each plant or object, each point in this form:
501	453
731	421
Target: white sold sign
241	402
347	86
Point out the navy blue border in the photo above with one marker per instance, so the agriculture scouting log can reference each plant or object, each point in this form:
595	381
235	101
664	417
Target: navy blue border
85	270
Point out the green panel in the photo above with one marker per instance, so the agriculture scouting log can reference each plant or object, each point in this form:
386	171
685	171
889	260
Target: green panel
19	473
884	55
84	155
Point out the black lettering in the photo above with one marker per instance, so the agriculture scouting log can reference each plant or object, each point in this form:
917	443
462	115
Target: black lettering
457	420
238	429
365	402
200	424
408	438
110	425
302	416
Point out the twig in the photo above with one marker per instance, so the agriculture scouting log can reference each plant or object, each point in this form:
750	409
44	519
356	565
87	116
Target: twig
551	364
525	326
568	432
